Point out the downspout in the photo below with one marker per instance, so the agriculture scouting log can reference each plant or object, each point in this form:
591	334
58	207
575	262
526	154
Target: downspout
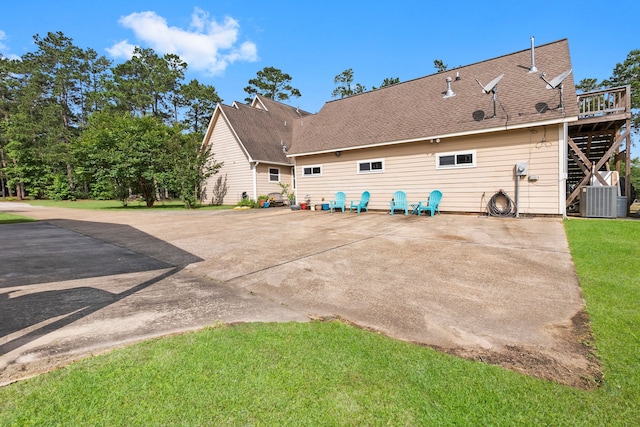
563	168
255	180
294	181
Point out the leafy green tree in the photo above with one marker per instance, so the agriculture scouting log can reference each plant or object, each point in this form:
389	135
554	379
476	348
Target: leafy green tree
148	84
200	101
54	82
389	81
346	87
6	108
635	173
127	153
190	164
439	65
628	73
271	83
172	79
51	91
48	98
95	77
588	85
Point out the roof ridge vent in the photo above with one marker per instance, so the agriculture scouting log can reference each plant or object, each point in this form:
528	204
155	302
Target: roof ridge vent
533	68
449	93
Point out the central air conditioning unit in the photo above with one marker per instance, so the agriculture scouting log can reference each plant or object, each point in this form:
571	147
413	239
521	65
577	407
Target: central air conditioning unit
599	202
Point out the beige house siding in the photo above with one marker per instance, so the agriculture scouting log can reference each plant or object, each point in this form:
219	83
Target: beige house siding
225	148
412	168
262	176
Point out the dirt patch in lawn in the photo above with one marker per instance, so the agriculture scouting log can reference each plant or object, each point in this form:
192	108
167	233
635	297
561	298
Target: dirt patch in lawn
575	364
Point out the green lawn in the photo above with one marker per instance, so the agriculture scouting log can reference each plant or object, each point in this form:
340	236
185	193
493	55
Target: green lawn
9	218
335	374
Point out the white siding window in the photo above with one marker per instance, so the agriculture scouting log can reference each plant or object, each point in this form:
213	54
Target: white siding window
459	159
312	170
274	175
371	166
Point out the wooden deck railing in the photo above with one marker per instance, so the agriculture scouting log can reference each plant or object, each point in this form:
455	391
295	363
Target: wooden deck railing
603	102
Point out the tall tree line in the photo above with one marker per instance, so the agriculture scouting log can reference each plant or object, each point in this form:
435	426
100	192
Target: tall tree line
66	112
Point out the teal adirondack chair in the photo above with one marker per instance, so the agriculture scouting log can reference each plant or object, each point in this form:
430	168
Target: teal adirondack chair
363	203
339	202
399	201
432	204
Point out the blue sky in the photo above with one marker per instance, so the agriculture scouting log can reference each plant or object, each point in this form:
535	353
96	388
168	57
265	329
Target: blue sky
227	42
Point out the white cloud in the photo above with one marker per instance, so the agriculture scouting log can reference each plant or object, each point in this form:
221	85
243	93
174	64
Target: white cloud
207	45
122	49
199	19
4	48
3	36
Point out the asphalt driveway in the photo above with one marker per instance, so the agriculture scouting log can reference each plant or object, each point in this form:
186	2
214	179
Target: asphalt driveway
82	282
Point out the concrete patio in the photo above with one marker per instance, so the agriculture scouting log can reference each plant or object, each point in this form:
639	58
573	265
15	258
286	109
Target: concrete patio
82	282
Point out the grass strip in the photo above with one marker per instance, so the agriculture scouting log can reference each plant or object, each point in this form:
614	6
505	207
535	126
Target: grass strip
9	218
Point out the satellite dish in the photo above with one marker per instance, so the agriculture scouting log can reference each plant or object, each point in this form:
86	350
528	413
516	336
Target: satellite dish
555	83
492	87
492	84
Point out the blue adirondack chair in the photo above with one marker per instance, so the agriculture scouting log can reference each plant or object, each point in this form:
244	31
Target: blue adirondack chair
339	201
362	203
399	201
432	204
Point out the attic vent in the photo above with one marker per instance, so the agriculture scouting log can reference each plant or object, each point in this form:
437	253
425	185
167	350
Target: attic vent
533	68
449	92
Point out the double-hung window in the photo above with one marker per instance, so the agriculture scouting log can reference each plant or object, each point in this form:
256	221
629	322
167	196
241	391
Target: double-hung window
459	159
274	175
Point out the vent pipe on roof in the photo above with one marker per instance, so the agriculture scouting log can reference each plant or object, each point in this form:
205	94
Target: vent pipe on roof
449	92
533	68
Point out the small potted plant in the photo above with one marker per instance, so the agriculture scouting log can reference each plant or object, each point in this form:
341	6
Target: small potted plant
270	202
304	204
262	200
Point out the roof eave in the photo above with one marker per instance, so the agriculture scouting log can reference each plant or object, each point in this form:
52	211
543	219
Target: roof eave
566	119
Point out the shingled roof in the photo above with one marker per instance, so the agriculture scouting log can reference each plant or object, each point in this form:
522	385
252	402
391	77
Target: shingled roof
262	129
418	109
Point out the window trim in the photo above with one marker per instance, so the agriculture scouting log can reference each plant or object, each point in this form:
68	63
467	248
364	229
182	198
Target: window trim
305	175
371	170
455	155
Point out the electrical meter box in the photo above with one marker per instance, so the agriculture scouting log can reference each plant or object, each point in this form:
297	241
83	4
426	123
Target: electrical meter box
521	169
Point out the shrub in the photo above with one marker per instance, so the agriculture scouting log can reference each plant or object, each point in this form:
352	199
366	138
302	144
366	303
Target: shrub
248	202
